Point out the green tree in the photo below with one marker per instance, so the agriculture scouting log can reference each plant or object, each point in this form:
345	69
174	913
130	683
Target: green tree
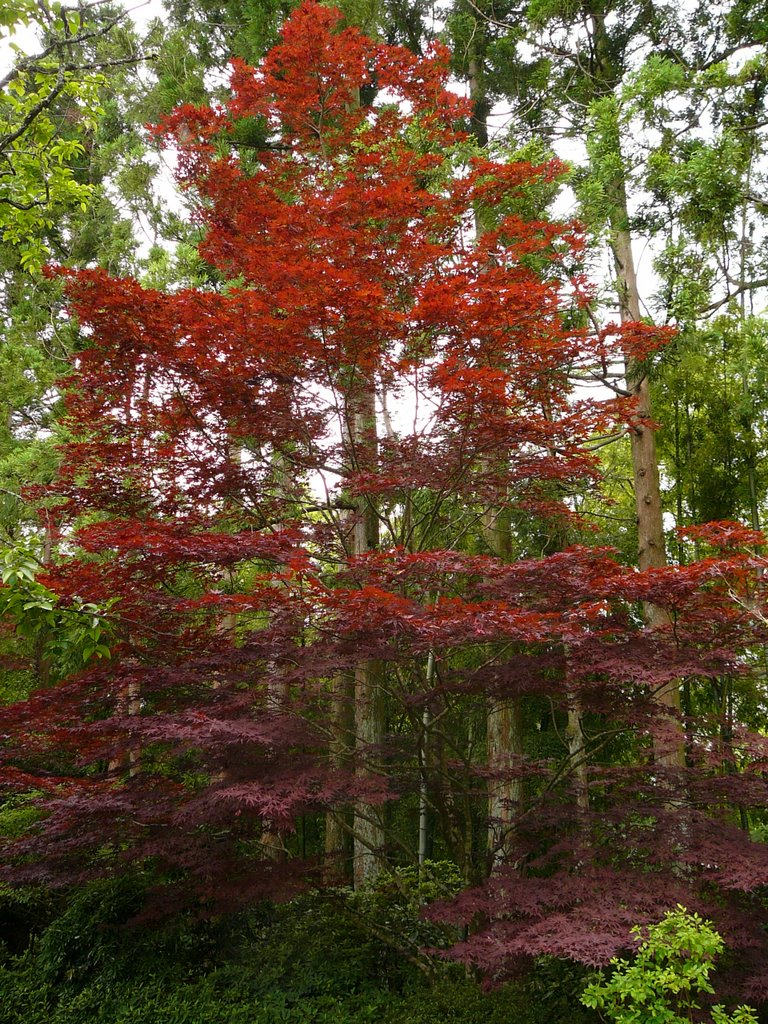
75	176
670	971
50	106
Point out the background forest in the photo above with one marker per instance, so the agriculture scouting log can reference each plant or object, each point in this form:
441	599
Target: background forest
382	477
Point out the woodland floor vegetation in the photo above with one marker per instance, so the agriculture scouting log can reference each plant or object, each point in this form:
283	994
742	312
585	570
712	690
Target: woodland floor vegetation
314	960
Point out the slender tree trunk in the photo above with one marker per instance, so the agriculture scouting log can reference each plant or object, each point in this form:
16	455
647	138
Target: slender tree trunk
369	732
504	719
504	735
129	704
645	464
608	159
424	756
678	480
578	753
129	701
504	728
42	660
651	552
368	675
577	756
277	704
338	823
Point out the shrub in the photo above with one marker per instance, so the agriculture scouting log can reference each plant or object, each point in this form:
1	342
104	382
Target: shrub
670	970
317	960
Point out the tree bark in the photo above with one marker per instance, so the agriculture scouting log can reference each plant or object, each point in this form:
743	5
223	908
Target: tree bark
338	823
504	735
645	464
651	552
424	757
369	733
504	719
368	676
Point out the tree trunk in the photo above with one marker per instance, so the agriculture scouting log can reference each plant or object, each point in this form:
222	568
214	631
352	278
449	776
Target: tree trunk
645	465
577	753
369	733
424	756
504	720
368	675
651	552
608	161
504	734
338	823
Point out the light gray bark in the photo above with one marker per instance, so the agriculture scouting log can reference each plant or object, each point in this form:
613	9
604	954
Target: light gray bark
369	694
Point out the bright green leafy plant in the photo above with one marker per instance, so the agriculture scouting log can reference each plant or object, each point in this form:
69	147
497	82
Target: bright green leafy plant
71	634
670	970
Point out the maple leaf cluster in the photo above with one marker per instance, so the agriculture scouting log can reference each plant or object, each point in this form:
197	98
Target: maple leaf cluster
374	363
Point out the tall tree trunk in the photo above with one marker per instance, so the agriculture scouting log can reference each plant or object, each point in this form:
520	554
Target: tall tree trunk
645	465
577	753
504	719
504	736
424	757
608	166
278	697
368	675
338	822
651	552
369	733
504	727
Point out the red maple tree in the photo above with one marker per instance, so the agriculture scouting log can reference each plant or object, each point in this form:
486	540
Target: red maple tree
284	480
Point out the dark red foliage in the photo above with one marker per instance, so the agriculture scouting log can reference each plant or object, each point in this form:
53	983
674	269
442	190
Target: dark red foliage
215	482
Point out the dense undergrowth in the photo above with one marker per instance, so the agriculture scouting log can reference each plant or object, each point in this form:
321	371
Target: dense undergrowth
321	959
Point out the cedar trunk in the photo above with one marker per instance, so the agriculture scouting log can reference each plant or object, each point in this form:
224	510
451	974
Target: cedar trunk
369	697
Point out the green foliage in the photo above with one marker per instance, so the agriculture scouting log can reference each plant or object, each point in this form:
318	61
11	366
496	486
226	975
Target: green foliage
312	961
182	267
180	78
71	636
541	12
21	592
17	813
390	907
599	186
225	997
92	942
553	988
41	181
12	16
711	395
670	970
410	887
64	136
